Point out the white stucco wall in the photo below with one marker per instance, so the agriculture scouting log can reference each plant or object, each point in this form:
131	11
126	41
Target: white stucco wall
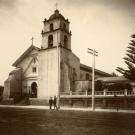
58	35
56	38
28	76
48	73
57	23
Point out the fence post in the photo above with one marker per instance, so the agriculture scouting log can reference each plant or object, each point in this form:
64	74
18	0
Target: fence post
125	92
104	92
70	93
86	93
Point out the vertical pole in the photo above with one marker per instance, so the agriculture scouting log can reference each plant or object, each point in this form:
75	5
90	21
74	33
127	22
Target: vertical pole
94	53
93	82
58	56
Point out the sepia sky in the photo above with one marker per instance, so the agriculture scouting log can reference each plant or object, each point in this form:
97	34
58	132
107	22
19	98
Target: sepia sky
103	25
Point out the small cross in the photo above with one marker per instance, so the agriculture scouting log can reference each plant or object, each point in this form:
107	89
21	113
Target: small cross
32	39
56	5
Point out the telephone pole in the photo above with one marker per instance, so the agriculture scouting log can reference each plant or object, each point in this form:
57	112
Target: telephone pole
58	57
94	53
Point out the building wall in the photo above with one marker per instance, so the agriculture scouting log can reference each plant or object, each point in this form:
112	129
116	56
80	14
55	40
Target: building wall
56	38
58	35
83	75
6	92
24	64
13	85
57	23
48	73
62	34
28	76
82	86
26	85
70	70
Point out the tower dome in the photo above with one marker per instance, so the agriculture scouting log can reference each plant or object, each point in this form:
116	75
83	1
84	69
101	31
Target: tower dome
56	15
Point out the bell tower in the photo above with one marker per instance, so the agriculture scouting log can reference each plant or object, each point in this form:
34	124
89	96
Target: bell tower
56	32
56	60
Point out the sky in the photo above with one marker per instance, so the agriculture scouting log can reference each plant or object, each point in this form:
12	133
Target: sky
103	25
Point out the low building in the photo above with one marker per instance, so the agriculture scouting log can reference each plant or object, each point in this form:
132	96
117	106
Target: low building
117	80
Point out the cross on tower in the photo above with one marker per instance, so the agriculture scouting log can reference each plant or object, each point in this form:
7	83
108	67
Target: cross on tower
56	5
32	39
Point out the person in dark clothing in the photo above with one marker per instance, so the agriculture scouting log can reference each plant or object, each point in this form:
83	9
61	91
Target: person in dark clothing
55	102
50	102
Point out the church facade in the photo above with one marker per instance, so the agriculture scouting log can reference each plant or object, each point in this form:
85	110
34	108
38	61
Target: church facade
51	69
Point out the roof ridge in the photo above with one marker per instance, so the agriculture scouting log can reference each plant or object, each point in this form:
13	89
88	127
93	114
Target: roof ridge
24	54
97	70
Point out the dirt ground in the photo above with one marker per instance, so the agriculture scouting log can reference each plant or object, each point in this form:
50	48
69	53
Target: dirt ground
15	121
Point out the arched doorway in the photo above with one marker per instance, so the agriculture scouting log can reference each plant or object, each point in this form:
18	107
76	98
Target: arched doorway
65	42
64	26
50	41
34	90
51	26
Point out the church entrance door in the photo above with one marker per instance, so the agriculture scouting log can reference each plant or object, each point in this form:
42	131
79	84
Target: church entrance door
34	90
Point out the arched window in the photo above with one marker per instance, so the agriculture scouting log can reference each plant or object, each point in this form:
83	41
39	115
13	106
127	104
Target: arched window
50	41
51	26
64	26
65	42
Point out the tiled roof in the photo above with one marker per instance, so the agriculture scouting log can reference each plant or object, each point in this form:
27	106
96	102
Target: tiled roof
89	69
14	71
113	79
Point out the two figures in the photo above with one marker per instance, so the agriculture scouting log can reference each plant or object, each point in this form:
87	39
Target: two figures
53	102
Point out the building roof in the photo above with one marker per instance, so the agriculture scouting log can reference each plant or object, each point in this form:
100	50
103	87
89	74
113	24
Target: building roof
32	47
89	69
113	79
55	15
14	71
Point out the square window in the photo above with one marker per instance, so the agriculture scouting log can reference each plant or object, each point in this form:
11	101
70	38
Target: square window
34	69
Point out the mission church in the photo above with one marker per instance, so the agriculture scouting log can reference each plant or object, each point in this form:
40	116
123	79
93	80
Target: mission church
51	69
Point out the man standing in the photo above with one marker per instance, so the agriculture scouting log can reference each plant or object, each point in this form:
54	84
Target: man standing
50	102
55	102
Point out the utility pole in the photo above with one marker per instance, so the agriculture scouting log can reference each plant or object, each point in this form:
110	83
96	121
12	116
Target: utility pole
58	57
94	53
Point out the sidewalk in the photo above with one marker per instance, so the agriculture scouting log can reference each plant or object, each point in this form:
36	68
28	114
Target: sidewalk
69	108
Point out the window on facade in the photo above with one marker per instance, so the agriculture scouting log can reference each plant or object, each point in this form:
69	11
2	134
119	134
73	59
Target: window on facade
50	41
64	26
87	76
34	69
51	26
65	42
